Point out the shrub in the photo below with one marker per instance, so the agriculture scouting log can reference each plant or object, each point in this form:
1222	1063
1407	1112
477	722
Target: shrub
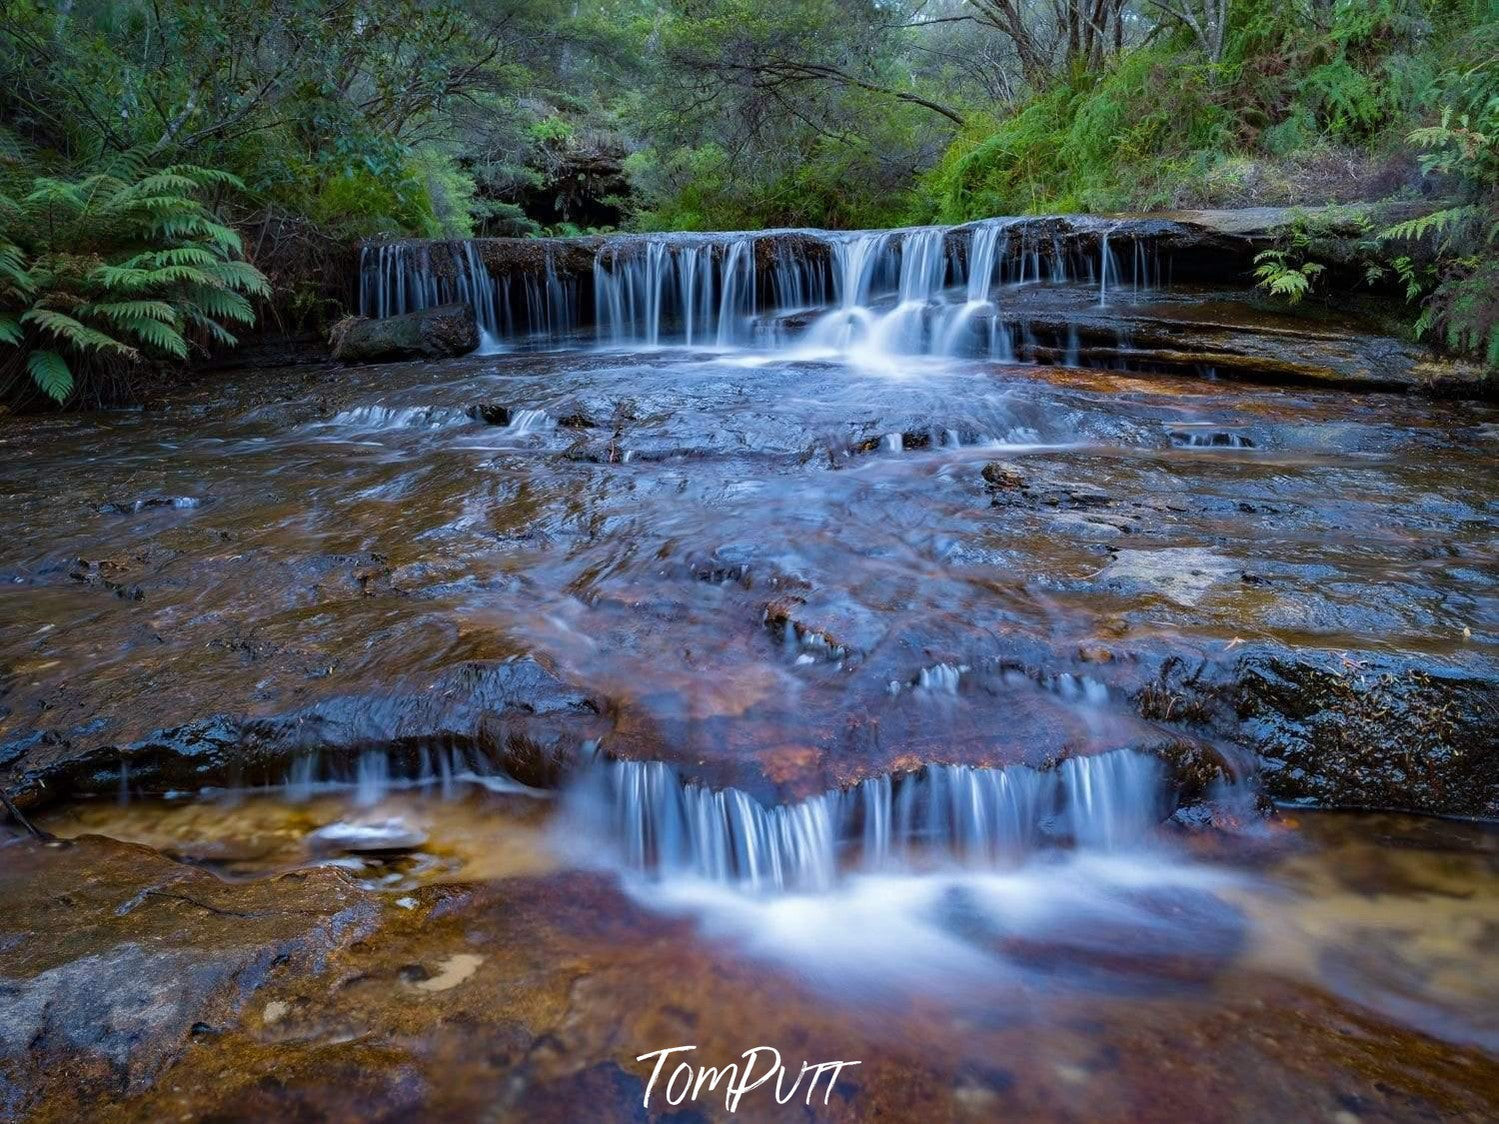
103	274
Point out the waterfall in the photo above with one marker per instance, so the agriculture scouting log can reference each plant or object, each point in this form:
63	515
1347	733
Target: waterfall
659	290
653	821
874	297
400	277
981	253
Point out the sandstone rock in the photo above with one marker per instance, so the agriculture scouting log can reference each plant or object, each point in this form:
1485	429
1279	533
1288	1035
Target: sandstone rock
432	333
1003	476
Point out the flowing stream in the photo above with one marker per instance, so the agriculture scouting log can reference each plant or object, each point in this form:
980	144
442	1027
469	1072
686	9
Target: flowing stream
882	645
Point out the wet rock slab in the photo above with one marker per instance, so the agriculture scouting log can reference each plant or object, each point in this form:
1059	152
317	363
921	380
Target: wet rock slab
740	576
134	987
117	962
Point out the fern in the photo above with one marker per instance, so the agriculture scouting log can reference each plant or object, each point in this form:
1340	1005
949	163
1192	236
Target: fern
50	372
129	310
1438	222
1277	274
122	267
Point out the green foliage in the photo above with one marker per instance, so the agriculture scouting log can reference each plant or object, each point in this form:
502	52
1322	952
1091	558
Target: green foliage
1277	272
1161	125
125	266
1458	285
780	112
1084	144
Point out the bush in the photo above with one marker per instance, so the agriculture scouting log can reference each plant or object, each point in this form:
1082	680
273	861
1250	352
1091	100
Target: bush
120	268
1111	141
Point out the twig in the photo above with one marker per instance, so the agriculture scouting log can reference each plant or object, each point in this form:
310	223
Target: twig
16	814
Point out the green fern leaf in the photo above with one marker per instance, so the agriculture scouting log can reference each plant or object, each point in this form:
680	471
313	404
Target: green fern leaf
10	329
120	310
181	255
240	275
78	334
51	374
181	274
161	183
156	334
224	304
1437	221
215	331
13	269
124	278
205	177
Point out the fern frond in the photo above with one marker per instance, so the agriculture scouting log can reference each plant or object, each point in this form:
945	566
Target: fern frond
223	303
1437	222
51	374
180	274
74	332
129	310
13	269
162	183
124	278
182	255
215	330
52	193
241	276
156	334
10	329
1429	136
205	177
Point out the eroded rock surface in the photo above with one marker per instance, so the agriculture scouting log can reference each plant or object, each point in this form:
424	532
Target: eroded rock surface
748	580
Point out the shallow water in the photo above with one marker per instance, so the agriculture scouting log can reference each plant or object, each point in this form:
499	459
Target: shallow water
487	724
1287	967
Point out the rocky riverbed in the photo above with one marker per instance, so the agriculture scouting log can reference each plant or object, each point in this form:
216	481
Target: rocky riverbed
1029	732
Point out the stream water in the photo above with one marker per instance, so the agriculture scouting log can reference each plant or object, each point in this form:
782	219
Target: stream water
748	648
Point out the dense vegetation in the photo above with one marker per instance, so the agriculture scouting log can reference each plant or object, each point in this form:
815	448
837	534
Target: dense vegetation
281	131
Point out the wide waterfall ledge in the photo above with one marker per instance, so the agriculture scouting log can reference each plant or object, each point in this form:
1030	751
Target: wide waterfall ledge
862	294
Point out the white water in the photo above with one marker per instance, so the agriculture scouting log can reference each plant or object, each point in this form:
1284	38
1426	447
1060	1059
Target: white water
655	824
877	298
915	883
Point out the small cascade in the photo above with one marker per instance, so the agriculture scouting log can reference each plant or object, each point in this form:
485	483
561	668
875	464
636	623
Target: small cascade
697	292
941	678
400	277
1210	439
955	338
655	822
376	773
871	296
1108	266
400	417
528	421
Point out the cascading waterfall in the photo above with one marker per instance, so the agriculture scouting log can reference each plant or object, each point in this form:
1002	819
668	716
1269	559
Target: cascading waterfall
656	823
868	295
696	292
400	277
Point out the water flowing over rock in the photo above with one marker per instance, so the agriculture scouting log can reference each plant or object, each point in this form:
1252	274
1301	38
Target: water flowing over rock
886	644
1076	291
725	290
657	822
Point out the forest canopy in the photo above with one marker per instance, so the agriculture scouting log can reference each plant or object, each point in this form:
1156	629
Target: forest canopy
335	121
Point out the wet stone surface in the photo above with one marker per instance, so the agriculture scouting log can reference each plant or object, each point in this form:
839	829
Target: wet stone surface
447	663
743	564
1268	975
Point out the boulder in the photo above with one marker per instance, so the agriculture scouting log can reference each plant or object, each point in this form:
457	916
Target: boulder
430	333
